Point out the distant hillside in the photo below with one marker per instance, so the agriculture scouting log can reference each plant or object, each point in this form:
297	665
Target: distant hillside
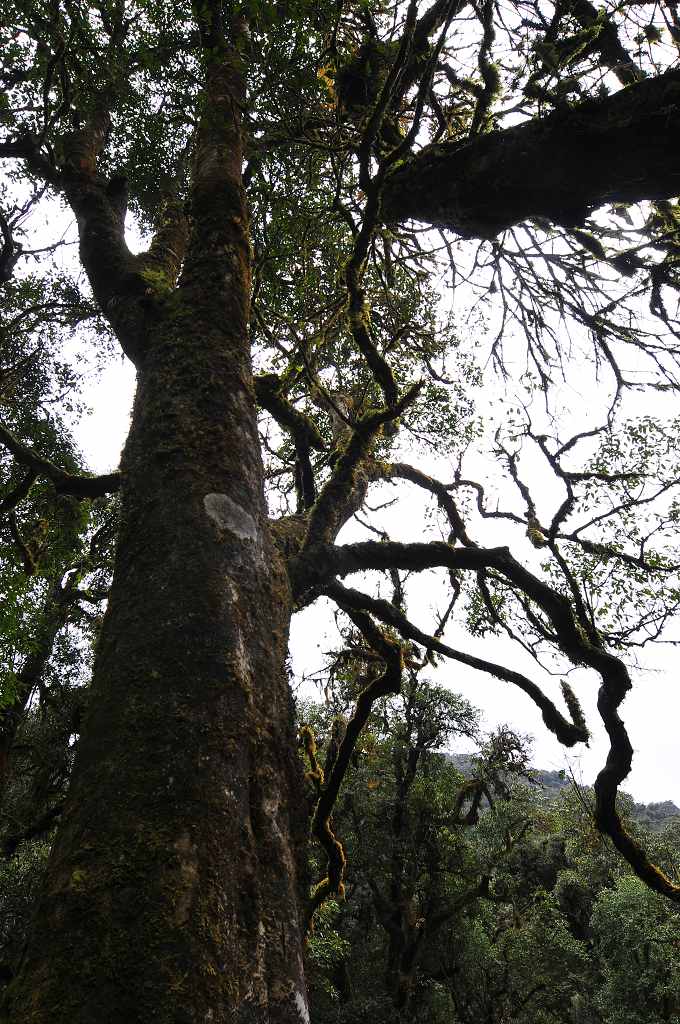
654	816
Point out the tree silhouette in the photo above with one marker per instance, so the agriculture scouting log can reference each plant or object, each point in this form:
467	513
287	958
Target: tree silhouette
300	174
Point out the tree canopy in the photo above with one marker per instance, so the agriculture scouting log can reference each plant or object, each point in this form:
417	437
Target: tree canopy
491	899
355	251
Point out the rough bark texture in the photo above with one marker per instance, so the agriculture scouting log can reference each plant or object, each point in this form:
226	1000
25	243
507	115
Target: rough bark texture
172	884
172	893
562	166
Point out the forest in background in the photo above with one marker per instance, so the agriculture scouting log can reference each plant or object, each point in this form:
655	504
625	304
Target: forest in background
655	815
477	888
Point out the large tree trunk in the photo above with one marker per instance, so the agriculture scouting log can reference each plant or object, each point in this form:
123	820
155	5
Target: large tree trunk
172	889
172	893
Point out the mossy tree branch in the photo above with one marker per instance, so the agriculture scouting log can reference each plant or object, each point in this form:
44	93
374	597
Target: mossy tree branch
330	510
18	493
607	42
618	149
124	284
567	732
387	682
319	564
64	483
403	471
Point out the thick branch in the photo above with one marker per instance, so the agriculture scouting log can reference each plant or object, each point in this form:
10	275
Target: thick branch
123	284
326	561
26	147
99	207
619	149
270	396
321	562
18	493
340	490
64	483
617	767
166	253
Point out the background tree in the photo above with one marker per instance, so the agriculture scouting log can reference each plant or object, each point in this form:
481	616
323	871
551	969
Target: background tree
273	161
513	907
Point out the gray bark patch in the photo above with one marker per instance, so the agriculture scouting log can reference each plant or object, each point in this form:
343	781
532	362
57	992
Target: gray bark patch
301	1007
228	515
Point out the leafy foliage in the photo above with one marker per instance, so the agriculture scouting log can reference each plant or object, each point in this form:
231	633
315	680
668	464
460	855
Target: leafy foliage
559	933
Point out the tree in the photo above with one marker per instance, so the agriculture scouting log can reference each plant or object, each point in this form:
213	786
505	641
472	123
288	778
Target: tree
490	899
398	819
177	876
413	873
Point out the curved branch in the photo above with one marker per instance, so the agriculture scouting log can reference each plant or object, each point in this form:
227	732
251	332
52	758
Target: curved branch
567	732
329	512
269	396
319	564
122	283
388	682
64	483
403	471
18	493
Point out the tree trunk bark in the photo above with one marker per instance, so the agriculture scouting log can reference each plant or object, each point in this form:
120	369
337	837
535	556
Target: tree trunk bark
172	893
173	890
